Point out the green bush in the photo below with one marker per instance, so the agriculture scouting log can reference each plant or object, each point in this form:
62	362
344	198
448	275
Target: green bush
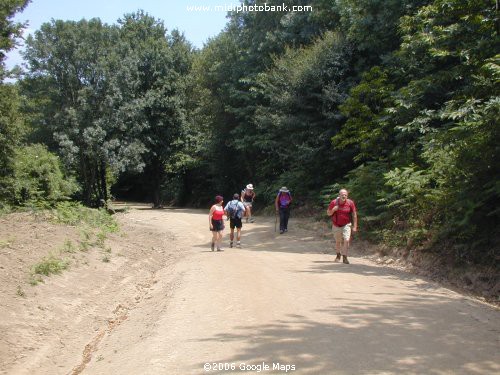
38	178
5	208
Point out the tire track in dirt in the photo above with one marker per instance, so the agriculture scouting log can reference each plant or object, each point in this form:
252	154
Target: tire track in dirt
122	311
120	314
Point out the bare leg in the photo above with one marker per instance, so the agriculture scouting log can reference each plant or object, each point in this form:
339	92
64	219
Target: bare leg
231	237
214	239
250	214
341	247
338	248
345	249
219	240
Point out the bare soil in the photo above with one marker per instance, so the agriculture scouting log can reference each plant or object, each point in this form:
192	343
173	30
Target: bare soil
165	304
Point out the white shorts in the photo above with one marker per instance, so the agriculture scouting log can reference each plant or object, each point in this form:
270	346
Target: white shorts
247	204
342	232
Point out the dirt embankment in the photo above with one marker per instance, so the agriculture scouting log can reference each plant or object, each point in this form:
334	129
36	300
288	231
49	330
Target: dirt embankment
69	313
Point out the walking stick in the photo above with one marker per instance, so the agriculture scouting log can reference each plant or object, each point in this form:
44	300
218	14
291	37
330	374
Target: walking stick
275	220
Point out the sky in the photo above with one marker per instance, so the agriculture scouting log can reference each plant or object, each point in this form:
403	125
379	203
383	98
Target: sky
197	26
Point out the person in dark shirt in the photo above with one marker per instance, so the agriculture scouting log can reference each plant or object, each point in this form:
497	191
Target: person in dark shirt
247	197
282	205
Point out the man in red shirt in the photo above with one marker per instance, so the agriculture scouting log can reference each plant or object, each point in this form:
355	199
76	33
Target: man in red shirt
341	209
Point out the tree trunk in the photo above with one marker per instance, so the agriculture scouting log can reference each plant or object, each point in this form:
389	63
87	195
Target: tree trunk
156	178
87	184
103	193
104	182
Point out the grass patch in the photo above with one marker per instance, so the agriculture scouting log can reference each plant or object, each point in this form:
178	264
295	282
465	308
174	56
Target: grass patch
85	242
20	292
95	222
100	238
50	265
35	279
75	214
5	208
68	247
84	246
6	243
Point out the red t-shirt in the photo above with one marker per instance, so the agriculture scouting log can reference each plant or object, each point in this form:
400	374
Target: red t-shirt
342	216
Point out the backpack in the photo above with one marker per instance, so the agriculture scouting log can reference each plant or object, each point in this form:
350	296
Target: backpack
284	199
233	209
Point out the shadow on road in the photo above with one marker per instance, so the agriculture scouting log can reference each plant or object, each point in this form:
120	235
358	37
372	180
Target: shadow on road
403	337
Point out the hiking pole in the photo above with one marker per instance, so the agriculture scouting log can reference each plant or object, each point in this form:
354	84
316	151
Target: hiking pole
275	219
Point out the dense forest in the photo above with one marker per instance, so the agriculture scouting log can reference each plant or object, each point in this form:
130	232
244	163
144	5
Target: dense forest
397	100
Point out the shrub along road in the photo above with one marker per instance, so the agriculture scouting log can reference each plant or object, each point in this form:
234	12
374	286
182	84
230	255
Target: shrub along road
168	305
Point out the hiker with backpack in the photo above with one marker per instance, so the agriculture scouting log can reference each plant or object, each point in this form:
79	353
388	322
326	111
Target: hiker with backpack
234	211
247	198
282	205
344	220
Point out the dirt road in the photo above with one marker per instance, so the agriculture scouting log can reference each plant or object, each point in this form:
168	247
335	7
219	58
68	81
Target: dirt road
277	305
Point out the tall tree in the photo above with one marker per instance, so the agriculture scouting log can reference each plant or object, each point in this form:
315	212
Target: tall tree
10	31
372	26
11	121
68	64
228	69
303	91
216	72
153	77
12	129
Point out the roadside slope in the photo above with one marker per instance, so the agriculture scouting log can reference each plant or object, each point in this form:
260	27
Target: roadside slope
53	327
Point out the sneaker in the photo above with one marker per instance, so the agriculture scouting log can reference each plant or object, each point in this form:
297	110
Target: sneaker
247	219
344	260
282	231
252	220
212	246
238	244
286	230
219	249
231	244
337	259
